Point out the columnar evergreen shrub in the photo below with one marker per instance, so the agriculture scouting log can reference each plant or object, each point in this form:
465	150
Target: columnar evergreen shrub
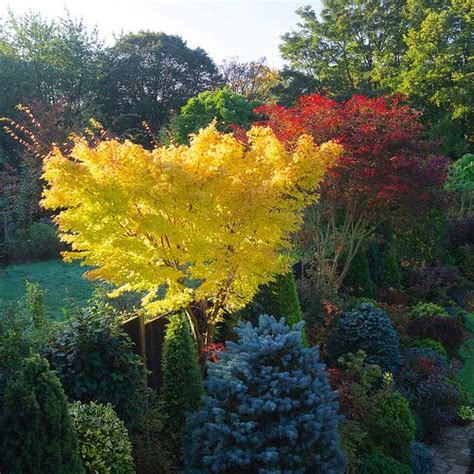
182	386
103	439
390	425
278	299
358	281
37	433
377	463
390	277
421	459
22	332
268	408
367	328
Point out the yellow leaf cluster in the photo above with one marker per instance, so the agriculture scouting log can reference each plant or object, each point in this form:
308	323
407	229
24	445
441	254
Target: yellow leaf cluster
209	221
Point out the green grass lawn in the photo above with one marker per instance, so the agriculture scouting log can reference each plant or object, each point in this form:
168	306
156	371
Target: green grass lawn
466	374
63	282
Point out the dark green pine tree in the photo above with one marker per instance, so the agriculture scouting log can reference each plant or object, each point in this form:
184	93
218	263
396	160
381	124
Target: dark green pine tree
37	433
182	384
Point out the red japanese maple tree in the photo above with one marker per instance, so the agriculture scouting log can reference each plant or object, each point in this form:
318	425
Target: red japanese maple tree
388	172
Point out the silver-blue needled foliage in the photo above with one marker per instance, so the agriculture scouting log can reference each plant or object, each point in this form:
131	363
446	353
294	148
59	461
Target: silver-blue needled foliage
268	408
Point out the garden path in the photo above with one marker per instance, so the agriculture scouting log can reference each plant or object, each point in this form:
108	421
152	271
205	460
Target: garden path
451	453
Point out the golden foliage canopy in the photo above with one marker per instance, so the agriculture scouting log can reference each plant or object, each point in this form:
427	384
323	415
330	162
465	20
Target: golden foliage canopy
209	221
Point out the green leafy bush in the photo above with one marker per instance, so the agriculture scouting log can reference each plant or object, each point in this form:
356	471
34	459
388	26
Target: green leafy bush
378	463
103	439
367	328
94	359
37	432
39	241
430	344
428	309
182	386
390	425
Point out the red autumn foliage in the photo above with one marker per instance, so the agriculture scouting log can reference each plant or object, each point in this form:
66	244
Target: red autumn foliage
212	350
387	165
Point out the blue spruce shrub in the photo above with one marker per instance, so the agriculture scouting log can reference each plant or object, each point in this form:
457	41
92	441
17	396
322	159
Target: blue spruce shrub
269	408
421	458
367	328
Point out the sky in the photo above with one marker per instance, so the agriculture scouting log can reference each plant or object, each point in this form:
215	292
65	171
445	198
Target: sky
245	29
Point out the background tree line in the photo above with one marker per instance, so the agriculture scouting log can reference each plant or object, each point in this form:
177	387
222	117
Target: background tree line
64	73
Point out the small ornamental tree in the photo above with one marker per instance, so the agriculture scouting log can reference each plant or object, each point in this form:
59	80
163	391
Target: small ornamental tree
268	408
387	173
37	433
195	227
182	386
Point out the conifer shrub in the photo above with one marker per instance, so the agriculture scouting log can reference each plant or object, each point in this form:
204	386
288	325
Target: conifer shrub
367	328
182	386
103	439
23	331
421	458
358	281
268	407
279	299
390	424
37	431
377	463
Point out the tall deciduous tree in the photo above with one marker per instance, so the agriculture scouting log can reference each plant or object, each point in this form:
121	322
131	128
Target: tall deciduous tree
198	227
226	107
147	76
437	70
354	46
253	79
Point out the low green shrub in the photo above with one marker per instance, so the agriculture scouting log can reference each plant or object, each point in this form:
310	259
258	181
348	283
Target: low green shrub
39	241
390	425
38	435
427	309
378	463
103	439
430	344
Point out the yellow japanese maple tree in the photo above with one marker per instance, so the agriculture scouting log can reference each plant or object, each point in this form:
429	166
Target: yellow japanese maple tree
195	227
